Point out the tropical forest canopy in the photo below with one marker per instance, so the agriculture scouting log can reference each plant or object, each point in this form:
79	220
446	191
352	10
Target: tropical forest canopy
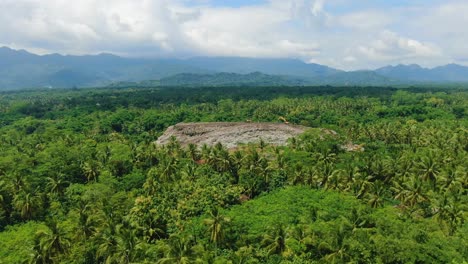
82	181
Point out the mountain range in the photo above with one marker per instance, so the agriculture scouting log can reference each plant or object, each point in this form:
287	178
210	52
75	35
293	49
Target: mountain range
21	69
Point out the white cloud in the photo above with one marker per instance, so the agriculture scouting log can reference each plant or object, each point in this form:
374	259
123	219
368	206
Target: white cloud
446	24
390	46
333	32
350	59
365	20
311	12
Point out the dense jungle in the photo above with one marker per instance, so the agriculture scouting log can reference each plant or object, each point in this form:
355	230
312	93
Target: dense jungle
82	180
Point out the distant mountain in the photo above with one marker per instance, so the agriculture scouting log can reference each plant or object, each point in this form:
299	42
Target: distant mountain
289	67
414	72
355	78
230	79
218	80
21	69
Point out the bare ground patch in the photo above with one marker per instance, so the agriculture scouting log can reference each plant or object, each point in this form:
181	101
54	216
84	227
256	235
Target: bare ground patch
231	134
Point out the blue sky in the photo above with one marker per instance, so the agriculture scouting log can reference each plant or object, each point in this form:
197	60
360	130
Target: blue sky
361	34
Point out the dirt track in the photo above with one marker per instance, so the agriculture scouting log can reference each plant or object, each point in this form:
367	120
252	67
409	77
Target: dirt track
230	134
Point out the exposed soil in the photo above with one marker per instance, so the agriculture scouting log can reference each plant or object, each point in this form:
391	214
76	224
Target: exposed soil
231	134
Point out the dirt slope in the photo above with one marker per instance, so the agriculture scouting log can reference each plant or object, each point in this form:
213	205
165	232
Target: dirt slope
230	134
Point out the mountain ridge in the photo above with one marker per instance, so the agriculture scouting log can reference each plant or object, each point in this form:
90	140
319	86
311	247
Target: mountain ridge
22	69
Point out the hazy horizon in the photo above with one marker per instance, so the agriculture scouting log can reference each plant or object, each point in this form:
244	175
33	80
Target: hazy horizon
207	56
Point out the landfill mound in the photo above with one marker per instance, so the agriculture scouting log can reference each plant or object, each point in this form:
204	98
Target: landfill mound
230	134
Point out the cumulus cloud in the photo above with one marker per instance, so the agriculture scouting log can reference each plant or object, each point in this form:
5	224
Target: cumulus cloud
332	32
390	46
366	20
312	12
446	24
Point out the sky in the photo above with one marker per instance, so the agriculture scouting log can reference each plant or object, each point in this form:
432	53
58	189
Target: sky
345	34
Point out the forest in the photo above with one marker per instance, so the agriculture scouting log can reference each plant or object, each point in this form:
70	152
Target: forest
82	180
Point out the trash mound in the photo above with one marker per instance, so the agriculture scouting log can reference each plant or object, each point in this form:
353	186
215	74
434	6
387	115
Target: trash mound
231	134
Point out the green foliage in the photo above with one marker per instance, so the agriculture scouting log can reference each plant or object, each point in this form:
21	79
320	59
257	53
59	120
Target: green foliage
380	177
17	242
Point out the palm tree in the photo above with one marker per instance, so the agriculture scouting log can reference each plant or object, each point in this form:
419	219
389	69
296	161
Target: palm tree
3	196
90	170
205	151
336	181
275	241
448	213
17	182
297	176
336	251
452	179
237	159
167	169
39	255
411	192
148	221
351	173
27	204
262	144
216	226
243	254
54	241
311	176
377	194
193	152
107	244
173	146
190	171
281	161
219	158
56	185
429	169
104	154
88	219
151	185
127	245
405	165
179	250
327	171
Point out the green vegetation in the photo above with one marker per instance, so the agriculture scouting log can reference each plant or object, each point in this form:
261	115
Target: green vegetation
216	80
81	180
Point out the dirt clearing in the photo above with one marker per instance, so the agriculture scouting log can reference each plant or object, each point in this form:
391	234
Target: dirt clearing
231	134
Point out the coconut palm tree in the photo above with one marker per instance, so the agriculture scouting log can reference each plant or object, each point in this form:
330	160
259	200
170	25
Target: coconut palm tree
39	255
179	250
127	250
91	171
54	241
411	192
337	250
88	219
448	213
429	169
56	185
27	204
167	169
216	224
107	242
17	182
192	151
275	240
377	194
453	179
